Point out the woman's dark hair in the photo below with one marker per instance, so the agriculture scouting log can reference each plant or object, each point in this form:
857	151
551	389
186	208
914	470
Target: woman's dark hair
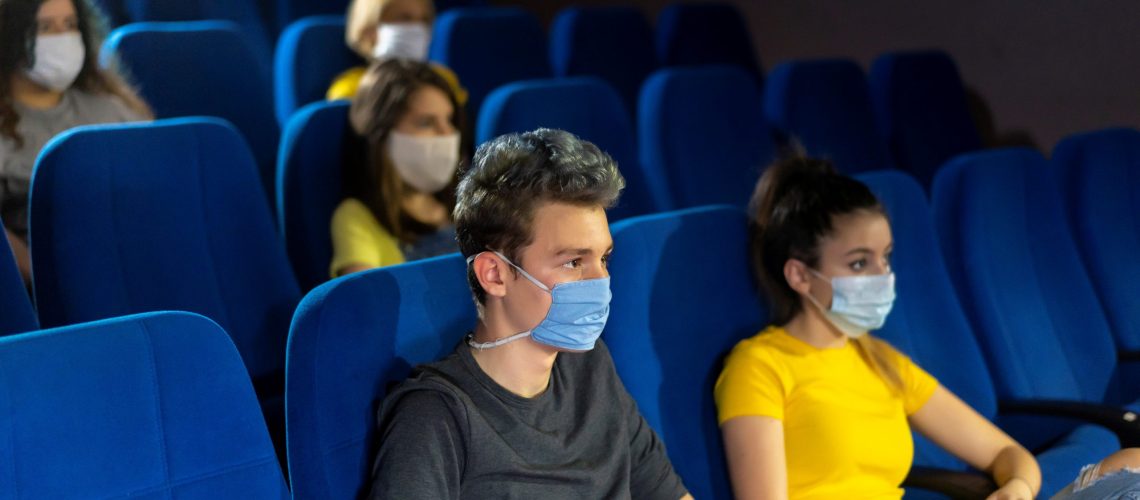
369	176
792	210
18	30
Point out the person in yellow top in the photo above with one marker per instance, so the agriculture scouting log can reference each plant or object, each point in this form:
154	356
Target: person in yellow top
399	179
385	29
814	407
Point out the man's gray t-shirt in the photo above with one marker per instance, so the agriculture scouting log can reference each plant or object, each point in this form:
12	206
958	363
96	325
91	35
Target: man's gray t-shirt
450	431
37	126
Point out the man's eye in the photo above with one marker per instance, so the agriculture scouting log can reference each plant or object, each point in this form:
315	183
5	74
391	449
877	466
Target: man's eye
606	261
574	264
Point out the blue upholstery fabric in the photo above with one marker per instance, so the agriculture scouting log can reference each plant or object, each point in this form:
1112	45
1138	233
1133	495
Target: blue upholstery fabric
146	217
16	314
584	106
310	54
614	43
691	34
203	68
350	339
1018	275
245	14
309	186
826	106
489	46
928	324
150	406
702	135
287	12
921	106
683	297
1100	175
114	11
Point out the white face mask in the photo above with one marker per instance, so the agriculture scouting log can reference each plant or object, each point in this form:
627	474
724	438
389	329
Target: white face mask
402	41
426	163
59	59
858	303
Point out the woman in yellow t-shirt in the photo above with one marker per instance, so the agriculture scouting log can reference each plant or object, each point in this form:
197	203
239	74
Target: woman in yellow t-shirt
399	183
813	406
388	29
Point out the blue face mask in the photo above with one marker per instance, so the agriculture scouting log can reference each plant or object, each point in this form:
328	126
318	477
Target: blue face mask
858	303
577	315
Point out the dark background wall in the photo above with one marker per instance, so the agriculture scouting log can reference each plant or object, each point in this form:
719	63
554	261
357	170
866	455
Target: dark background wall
1048	67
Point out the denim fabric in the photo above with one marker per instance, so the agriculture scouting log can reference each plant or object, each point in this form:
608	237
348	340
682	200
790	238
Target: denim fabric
1123	484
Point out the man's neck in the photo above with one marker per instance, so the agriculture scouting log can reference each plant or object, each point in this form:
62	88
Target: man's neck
33	95
522	367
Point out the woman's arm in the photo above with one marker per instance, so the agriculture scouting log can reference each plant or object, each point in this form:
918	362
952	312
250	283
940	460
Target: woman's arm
957	428
754	447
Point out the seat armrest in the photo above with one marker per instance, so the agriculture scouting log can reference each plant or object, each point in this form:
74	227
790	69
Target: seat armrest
1124	423
955	484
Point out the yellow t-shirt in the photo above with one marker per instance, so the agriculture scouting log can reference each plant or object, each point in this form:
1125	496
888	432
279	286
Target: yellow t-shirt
358	238
845	434
346	84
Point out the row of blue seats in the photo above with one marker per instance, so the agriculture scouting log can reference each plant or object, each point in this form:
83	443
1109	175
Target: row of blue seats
994	300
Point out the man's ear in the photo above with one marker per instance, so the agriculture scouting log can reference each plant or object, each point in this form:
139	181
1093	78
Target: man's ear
490	270
796	273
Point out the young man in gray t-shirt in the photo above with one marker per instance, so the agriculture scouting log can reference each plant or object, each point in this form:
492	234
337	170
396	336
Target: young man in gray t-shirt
529	405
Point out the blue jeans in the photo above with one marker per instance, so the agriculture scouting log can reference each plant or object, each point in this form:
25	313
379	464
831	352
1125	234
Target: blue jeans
1123	484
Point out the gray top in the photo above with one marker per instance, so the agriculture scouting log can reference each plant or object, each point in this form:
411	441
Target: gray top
451	432
37	126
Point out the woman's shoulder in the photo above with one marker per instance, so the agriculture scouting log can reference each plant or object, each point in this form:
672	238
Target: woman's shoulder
345	84
98	107
353	214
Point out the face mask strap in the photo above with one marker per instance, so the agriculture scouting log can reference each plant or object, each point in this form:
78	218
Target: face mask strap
490	345
512	264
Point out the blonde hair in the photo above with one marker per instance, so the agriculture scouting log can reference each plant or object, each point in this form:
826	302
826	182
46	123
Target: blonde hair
365	13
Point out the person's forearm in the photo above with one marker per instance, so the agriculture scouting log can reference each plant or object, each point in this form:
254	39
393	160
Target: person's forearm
1014	463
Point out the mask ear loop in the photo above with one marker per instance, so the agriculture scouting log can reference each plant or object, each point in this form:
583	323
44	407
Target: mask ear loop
506	340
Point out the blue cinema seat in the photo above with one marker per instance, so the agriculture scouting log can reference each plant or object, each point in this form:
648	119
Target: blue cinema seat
313	149
157	216
156	405
310	54
928	324
921	106
16	313
702	135
584	106
692	34
825	106
350	339
489	46
203	68
614	43
246	14
683	296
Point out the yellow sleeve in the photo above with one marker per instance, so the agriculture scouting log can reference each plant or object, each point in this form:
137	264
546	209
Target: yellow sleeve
751	384
345	84
358	239
452	81
918	385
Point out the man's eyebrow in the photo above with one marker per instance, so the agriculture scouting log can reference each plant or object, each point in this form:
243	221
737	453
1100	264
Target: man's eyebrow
574	251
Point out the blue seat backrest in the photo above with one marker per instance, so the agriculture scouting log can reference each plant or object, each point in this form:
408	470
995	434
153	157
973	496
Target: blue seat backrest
156	216
310	54
927	322
313	150
702	135
202	68
287	12
1019	277
350	339
156	405
921	106
584	106
691	34
18	315
614	43
825	105
246	14
1099	173
489	46
683	297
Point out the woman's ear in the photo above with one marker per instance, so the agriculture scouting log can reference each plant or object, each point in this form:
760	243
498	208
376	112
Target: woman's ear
796	273
489	270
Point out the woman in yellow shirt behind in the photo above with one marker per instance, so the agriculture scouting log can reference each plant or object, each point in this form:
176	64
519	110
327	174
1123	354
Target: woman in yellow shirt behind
814	407
378	30
400	187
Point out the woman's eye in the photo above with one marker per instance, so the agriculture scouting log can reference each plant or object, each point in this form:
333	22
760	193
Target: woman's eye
858	265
